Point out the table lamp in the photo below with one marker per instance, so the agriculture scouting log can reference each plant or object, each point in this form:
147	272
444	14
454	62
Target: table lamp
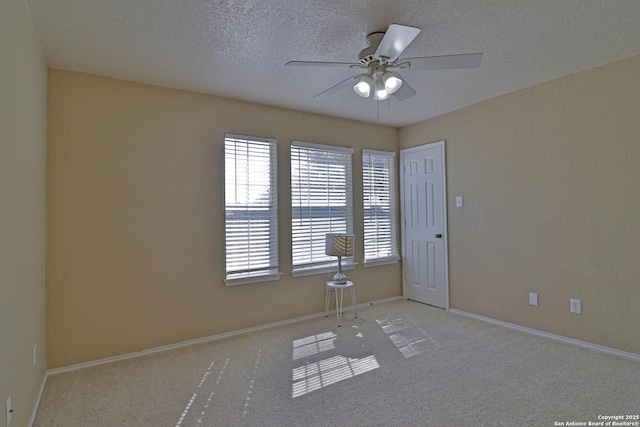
339	245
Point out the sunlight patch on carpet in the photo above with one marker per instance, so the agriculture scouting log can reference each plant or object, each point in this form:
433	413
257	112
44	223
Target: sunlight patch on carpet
316	375
410	339
206	375
313	344
247	400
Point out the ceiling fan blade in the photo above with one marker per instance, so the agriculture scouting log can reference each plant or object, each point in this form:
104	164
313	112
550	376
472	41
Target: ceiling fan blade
318	64
336	88
395	41
465	60
405	91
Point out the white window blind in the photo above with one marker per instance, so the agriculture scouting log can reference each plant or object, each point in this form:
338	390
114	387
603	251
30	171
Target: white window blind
379	200
251	209
321	201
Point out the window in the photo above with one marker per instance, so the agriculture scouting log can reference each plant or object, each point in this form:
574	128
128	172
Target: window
379	199
251	210
321	203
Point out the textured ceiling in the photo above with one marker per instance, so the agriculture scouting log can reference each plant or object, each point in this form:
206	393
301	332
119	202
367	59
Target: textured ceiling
238	49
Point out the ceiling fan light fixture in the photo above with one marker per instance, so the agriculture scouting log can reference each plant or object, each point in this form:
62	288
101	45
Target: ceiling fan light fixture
382	54
363	87
380	93
391	82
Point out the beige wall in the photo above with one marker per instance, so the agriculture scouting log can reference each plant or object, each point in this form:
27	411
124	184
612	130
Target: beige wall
23	97
135	211
135	217
550	178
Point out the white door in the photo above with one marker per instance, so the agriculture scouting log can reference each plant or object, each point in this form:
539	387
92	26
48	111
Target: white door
424	224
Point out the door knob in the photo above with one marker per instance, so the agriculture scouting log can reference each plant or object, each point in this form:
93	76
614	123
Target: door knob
438	236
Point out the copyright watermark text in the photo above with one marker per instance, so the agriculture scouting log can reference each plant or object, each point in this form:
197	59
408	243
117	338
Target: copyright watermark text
603	420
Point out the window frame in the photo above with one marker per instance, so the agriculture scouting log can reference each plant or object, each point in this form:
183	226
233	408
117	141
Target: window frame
325	264
258	274
392	194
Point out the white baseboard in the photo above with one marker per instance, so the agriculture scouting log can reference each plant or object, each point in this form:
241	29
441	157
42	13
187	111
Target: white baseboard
34	412
380	301
579	343
155	350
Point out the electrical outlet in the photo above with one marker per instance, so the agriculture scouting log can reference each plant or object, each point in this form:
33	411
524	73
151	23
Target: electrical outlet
533	298
575	306
9	411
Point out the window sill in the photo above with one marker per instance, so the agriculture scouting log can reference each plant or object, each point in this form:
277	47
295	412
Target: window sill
252	279
322	269
381	261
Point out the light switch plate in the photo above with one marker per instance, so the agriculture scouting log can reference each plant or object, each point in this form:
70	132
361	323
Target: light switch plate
533	298
458	201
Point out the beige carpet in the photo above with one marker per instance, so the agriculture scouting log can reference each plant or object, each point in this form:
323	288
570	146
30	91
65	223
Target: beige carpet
398	364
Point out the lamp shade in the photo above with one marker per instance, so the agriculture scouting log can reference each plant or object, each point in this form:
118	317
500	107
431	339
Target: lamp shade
380	93
391	82
339	245
363	87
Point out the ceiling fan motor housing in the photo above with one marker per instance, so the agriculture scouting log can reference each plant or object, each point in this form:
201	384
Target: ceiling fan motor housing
367	55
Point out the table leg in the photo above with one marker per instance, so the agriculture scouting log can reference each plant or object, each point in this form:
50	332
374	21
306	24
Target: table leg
327	297
353	300
339	306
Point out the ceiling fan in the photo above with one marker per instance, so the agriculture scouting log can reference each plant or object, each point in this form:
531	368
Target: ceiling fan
379	62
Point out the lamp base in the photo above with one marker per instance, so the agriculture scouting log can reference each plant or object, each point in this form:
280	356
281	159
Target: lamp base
340	278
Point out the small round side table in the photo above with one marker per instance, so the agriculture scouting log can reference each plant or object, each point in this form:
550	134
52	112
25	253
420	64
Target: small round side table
333	286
